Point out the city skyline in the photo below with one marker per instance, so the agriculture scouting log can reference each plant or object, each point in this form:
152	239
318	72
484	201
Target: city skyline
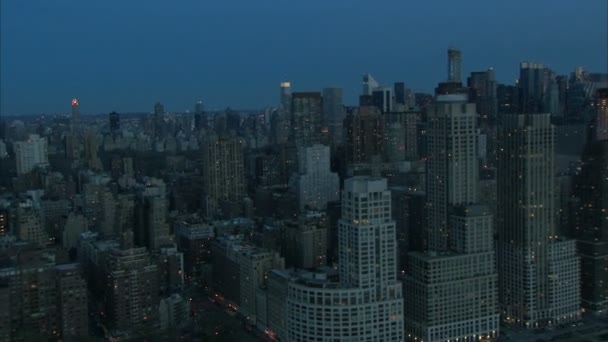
52	55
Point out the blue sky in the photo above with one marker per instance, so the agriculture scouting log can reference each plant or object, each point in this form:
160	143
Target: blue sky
125	55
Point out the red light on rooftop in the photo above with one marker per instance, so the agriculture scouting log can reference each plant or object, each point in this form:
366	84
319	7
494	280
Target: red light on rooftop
74	102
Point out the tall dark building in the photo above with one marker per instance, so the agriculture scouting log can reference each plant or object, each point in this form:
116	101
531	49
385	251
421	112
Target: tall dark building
382	98
75	116
482	85
533	84
306	118
333	113
507	97
200	117
364	129
114	121
158	120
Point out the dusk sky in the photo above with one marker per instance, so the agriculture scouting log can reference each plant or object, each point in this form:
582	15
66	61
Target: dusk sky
126	55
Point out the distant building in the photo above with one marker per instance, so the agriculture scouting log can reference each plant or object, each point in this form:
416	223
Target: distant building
315	184
31	154
454	65
306	241
364	130
306	118
173	311
114	121
482	85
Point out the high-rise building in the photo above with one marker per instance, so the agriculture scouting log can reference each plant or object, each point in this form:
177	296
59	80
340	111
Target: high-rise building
601	121
114	120
158	120
306	118
382	98
285	96
533	84
306	241
364	129
482	85
452	166
132	293
538	272
75	116
404	96
333	113
507	99
454	283
223	171
366	304
315	184
591	194
43	297
369	85
454	65
31	154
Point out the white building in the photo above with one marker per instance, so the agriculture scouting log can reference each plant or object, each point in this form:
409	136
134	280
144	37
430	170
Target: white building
31	153
366	304
315	185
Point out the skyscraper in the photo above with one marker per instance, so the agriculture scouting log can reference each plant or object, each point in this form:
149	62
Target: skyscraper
158	120
223	171
482	85
369	84
114	120
315	184
454	65
533	84
200	117
454	283
382	98
366	304
538	272
306	118
364	129
31	154
75	116
452	167
601	120
333	113
286	96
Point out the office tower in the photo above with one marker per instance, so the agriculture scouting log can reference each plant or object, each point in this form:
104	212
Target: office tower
591	194
30	225
194	240
369	85
533	82
538	271
601	120
507	99
318	308
454	282
306	118
223	171
3	150
306	241
75	117
454	65
132	289
408	208
31	154
333	113
158	120
200	116
315	184
114	120
404	96
382	98
285	96
452	167
412	127
482	85
395	142
364	129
